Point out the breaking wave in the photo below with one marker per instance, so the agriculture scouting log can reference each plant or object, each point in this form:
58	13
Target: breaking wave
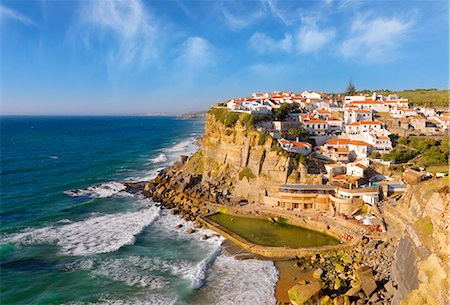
160	158
242	281
100	234
104	190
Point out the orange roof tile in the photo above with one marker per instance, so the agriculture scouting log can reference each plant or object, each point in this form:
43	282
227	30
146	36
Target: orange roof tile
315	121
359	143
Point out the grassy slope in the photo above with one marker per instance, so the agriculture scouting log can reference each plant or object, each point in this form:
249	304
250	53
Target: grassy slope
423	97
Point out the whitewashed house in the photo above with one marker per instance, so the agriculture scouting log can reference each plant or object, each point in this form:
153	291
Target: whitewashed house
352	115
354	98
316	127
308	94
381	143
303	148
335	125
358	128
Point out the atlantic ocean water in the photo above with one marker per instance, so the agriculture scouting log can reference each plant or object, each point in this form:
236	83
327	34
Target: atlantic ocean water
71	235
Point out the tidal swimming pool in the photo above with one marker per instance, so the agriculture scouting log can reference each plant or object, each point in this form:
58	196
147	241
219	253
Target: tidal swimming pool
273	234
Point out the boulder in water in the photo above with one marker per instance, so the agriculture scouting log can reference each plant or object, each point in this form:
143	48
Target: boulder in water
190	230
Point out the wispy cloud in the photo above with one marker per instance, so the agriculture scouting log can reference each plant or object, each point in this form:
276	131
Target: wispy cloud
237	20
133	30
261	43
272	6
376	38
197	53
9	13
311	39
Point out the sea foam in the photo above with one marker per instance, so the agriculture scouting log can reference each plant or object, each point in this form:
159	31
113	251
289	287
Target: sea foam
104	190
100	234
242	281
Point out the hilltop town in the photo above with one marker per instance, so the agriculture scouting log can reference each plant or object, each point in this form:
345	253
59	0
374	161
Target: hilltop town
346	166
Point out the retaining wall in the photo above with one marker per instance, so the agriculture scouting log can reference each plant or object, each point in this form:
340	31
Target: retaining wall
272	252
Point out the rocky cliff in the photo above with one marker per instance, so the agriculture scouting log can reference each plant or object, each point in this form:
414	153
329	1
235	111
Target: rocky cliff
251	163
421	264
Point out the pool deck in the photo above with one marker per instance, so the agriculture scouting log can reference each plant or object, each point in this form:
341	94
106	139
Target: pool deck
281	252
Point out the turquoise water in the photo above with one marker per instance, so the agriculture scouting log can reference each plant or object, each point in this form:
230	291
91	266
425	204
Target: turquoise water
70	235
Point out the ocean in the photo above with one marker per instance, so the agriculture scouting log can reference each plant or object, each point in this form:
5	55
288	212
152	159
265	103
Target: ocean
71	235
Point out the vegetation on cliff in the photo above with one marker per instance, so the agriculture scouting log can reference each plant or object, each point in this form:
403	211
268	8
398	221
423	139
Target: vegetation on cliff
419	97
229	118
425	151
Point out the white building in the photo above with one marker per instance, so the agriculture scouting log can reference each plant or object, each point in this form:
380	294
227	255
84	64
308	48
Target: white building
356	169
369	104
311	95
335	125
303	148
322	114
316	127
249	106
352	115
354	98
358	128
381	143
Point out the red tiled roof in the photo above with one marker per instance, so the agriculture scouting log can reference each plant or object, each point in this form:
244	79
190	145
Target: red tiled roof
338	141
315	121
359	143
365	123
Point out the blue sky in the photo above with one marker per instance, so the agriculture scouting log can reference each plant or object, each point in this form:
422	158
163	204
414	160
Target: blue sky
137	56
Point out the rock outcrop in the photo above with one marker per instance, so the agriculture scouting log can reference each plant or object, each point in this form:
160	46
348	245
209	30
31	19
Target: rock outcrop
420	267
250	162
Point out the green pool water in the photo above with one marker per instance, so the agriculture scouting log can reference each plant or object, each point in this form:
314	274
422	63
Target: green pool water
266	233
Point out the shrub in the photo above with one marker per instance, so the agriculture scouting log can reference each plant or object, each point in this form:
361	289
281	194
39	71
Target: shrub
400	154
230	119
375	155
299	132
262	139
246	172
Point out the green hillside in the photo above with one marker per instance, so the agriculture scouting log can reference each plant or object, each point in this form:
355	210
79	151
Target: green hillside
421	97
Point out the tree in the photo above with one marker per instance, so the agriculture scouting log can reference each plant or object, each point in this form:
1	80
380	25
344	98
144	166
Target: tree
351	90
281	113
300	133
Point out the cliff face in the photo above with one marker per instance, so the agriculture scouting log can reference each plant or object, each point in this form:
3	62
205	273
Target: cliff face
421	266
246	160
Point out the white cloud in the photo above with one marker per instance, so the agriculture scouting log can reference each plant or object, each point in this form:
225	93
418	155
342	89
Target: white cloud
276	11
261	43
311	39
376	38
238	21
197	53
135	33
8	13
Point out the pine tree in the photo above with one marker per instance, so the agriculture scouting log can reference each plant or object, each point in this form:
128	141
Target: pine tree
351	90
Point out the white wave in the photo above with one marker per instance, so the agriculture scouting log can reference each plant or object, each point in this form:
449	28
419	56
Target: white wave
147	299
202	269
160	158
186	147
150	175
167	226
183	146
241	281
54	157
104	190
101	234
133	270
